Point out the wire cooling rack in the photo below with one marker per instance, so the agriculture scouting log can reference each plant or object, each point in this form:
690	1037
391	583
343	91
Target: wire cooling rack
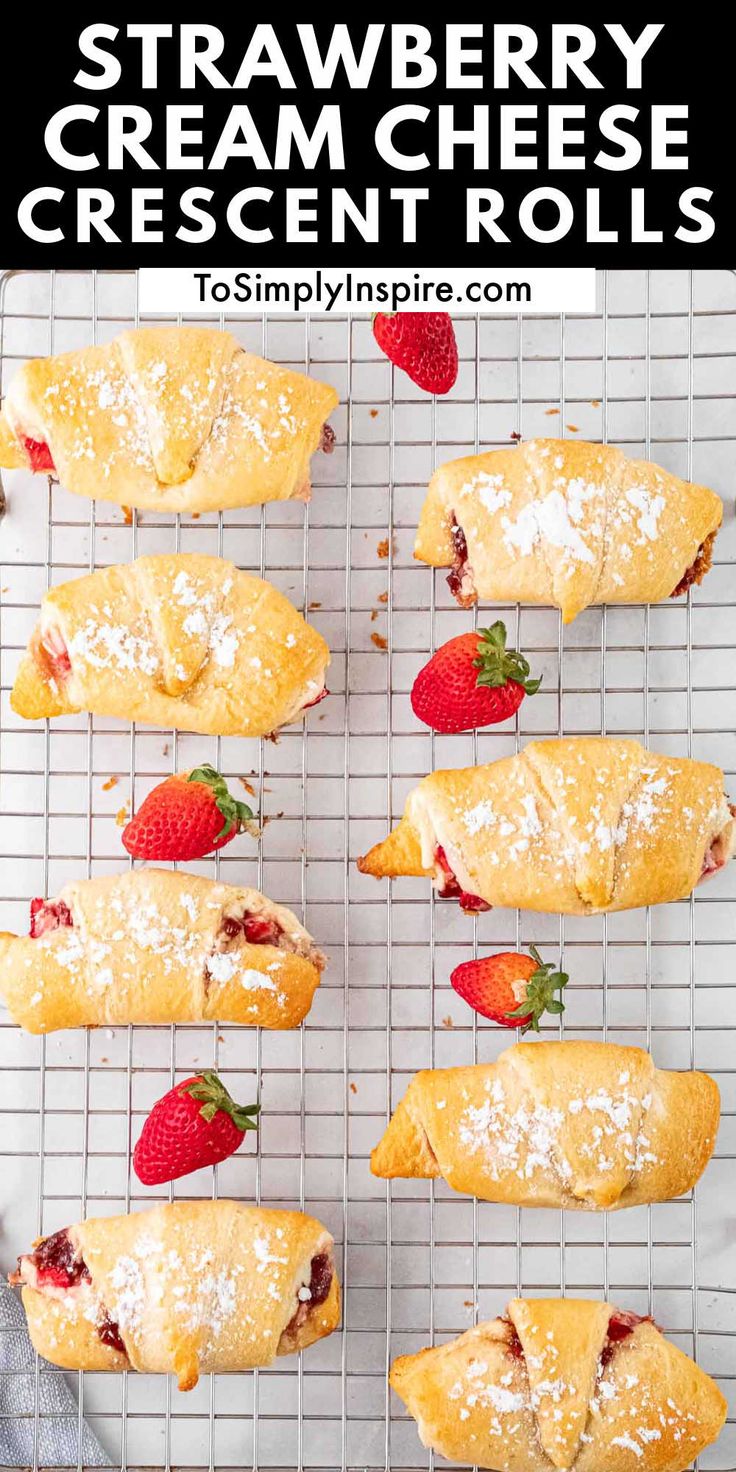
654	370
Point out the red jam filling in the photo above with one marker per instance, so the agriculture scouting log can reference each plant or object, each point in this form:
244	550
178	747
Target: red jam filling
321	1279
56	1262
457	571
451	889
109	1333
48	915
258	930
624	1322
620	1326
319	1285
53	656
714	858
38	453
58	1265
513	1343
322	696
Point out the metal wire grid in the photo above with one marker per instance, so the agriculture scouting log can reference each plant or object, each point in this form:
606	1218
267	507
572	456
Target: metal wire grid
654	371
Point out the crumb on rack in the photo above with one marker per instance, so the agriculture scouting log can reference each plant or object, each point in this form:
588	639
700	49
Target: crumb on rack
383	547
315	604
374	413
447	1022
379	641
374	615
128	515
250	789
122	815
111	782
383	597
551	411
515	435
595	403
353	1088
573	428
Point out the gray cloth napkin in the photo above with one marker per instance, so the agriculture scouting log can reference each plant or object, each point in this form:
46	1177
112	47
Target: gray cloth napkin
58	1422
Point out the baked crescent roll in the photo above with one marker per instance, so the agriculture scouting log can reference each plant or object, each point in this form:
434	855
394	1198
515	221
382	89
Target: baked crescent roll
188	1288
157	945
562	1383
584	1125
575	826
167	419
178	640
567	523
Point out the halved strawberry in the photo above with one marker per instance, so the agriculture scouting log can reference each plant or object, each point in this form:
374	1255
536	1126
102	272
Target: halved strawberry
472	680
187	816
197	1123
511	989
422	344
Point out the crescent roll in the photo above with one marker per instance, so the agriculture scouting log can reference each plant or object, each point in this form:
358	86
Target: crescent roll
566	523
578	1125
167	419
576	826
188	1288
562	1383
158	945
179	641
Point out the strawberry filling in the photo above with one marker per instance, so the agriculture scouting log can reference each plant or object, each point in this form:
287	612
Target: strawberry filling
317	1291
717	853
56	1265
451	889
621	1324
38	454
48	915
258	930
53	656
109	1333
513	1342
460	576
697	569
322	696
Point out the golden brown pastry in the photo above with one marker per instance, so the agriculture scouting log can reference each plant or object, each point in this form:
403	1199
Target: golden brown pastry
568	523
584	1125
157	945
167	419
575	826
178	640
562	1383
184	1289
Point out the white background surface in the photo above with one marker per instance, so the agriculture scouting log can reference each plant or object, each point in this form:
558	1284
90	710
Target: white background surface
417	1261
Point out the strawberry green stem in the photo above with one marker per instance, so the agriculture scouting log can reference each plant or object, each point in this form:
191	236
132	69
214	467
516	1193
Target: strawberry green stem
214	1097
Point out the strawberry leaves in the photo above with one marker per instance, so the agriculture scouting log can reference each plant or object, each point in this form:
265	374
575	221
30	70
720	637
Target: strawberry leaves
540	994
497	664
236	815
211	1092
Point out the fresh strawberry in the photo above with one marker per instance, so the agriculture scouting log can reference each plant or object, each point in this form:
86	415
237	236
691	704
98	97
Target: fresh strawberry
473	680
423	344
512	989
187	816
195	1124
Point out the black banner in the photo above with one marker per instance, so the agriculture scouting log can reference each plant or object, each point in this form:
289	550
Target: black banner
369	143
